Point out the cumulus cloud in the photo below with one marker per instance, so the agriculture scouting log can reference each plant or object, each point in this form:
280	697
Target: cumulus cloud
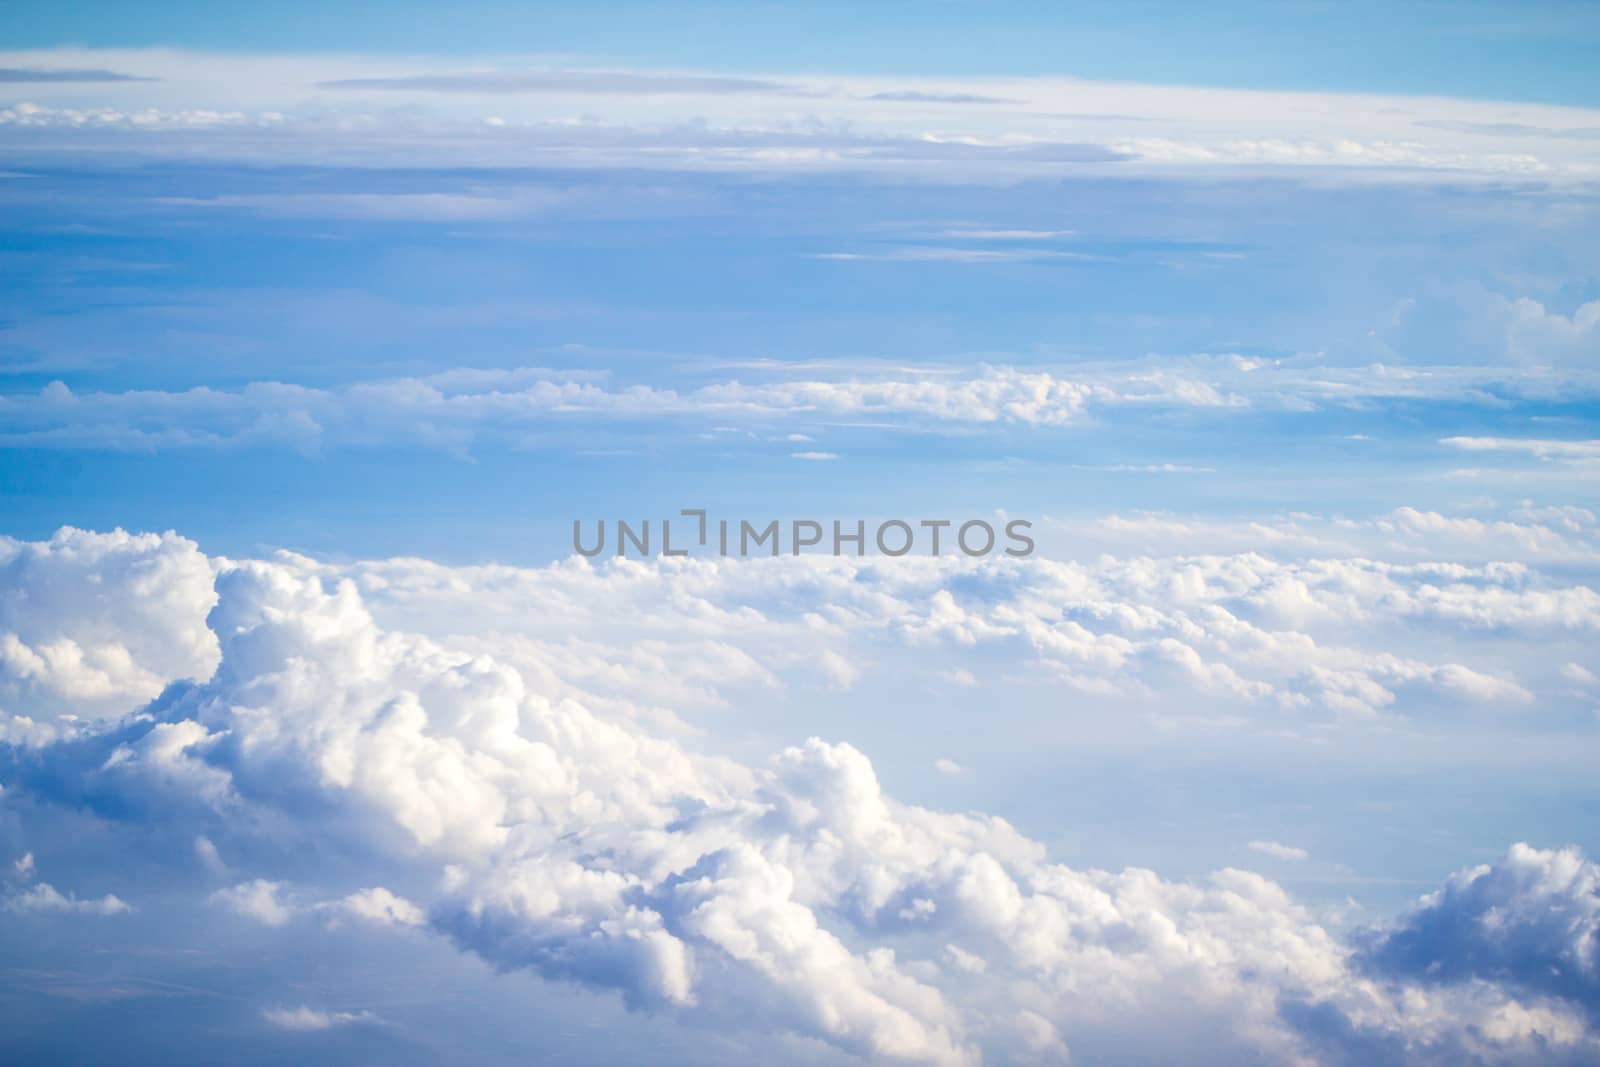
258	900
44	897
1536	334
1530	920
1314	635
1279	851
452	410
91	624
799	894
379	905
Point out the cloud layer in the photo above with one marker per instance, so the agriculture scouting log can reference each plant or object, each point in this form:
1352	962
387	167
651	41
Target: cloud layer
365	109
454	409
543	828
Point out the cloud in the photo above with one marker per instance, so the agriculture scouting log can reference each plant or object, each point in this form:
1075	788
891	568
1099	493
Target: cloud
1537	447
1524	533
1277	851
1579	674
45	76
322	107
1531	920
1147	468
454	409
310	1019
472	205
934	254
561	834
31	116
1319	637
1539	336
379	905
44	897
205	850
571	82
1510	129
1008	235
917	96
256	900
95	647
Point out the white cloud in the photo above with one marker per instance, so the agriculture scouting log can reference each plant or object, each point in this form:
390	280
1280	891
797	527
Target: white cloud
44	897
379	905
365	109
1008	235
1278	851
205	850
1535	334
1575	672
93	624
454	409
933	254
1539	448
473	205
566	836
310	1019
256	900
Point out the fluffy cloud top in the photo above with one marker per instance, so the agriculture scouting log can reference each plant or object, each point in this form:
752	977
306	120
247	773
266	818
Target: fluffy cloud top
797	895
92	624
1532	920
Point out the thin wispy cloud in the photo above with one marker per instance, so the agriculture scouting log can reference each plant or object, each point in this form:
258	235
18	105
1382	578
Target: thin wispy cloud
1540	448
706	120
922	96
976	234
602	83
63	76
1279	851
926	254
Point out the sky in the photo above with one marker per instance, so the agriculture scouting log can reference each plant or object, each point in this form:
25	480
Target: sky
323	325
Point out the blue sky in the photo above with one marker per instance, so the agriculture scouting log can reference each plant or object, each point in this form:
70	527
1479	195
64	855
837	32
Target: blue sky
321	325
1537	52
144	283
